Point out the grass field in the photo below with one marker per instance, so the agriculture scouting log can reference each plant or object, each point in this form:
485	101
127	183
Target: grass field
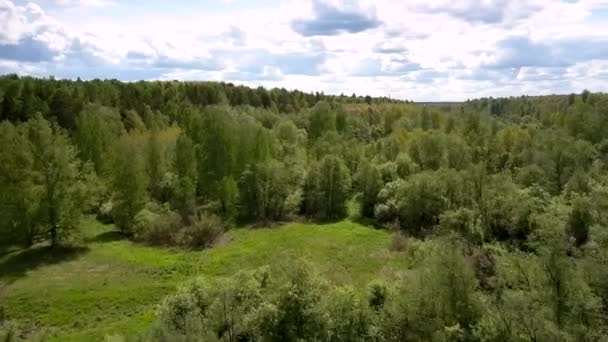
112	285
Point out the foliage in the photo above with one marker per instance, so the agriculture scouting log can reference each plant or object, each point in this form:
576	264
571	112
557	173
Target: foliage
46	185
369	183
508	195
129	181
580	221
156	226
185	170
327	187
203	231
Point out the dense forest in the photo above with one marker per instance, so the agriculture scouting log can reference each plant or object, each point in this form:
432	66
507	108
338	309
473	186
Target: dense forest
503	201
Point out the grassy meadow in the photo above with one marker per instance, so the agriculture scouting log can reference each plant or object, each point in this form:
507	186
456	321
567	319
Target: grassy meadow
113	285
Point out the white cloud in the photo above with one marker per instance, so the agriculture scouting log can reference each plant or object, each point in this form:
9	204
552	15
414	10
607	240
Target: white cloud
84	3
419	49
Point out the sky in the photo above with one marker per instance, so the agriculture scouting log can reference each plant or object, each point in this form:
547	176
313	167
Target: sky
421	50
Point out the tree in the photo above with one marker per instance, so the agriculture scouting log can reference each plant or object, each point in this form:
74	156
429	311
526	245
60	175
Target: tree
12	103
452	286
97	128
580	221
129	182
264	190
59	172
427	149
214	133
321	120
19	193
328	185
461	221
369	184
299	316
62	107
184	165
154	163
585	95
420	201
405	166
229	197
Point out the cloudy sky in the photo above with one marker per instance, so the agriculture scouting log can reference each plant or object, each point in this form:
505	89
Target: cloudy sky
410	49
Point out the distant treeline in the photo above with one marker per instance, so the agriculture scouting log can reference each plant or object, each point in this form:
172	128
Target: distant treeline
21	97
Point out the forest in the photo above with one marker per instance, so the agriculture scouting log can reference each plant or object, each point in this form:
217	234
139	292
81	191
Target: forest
205	211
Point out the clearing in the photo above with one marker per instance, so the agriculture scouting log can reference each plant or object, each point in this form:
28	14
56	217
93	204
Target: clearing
112	285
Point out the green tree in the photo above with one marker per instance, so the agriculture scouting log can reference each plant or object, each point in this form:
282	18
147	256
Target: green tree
461	221
420	201
427	149
155	163
19	193
214	133
184	165
60	175
327	188
129	182
264	190
369	184
322	119
97	128
300	316
63	108
229	197
580	221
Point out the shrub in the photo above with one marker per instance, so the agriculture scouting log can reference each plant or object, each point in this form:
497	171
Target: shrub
8	332
399	242
484	265
350	318
203	231
378	293
300	316
156	226
507	212
386	209
179	313
579	183
104	214
463	222
232	309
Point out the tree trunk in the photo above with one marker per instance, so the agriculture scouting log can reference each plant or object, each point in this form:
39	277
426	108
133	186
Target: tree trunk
53	235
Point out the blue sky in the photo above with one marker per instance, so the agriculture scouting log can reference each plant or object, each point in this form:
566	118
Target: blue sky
416	49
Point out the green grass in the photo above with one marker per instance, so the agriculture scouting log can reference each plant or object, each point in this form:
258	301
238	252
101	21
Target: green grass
113	285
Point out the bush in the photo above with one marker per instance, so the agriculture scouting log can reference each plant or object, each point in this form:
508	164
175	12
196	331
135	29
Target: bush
440	303
484	265
8	332
507	212
350	317
463	222
160	226
378	293
204	230
156	226
386	209
232	309
399	242
104	213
